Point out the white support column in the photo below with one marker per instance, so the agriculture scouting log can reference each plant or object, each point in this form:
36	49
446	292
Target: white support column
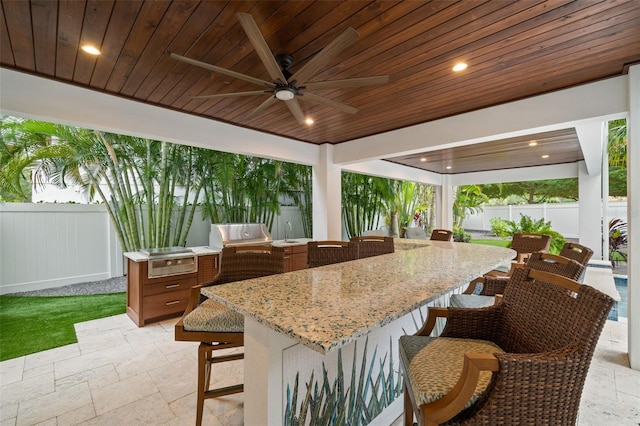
589	211
633	215
327	197
446	196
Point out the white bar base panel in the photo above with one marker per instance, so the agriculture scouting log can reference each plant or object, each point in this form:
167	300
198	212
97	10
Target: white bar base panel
273	361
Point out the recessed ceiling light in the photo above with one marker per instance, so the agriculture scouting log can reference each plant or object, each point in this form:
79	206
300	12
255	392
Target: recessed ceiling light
448	167
92	50
545	156
309	121
460	66
533	143
423	159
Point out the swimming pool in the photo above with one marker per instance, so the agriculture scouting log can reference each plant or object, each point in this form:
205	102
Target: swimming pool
621	306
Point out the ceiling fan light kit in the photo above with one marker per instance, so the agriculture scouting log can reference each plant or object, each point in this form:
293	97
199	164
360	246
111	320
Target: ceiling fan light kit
284	85
285	93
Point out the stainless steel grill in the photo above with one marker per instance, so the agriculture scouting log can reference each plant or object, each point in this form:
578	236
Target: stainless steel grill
236	234
168	261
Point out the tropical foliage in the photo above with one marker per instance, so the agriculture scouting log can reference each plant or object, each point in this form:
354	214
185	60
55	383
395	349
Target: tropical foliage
469	200
151	188
364	201
505	228
617	240
533	192
409	205
617	149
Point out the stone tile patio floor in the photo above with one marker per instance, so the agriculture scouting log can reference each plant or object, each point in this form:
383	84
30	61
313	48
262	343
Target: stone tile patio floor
119	374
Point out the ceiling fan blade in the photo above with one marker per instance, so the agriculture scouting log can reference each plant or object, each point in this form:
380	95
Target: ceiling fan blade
222	70
296	110
349	82
224	95
310	97
266	104
314	65
261	46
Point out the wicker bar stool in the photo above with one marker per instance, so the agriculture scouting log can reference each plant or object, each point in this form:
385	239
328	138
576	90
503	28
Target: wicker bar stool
577	252
217	327
369	245
321	253
525	243
523	361
492	286
441	235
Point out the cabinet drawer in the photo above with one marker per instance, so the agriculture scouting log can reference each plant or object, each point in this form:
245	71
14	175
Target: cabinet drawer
295	249
169	286
299	261
165	304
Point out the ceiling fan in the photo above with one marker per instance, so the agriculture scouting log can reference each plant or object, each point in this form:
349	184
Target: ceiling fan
285	86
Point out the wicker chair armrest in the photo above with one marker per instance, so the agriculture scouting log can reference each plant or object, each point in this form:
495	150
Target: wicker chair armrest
452	403
494	285
432	315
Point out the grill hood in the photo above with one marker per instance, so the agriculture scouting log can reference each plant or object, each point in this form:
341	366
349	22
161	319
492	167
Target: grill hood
237	234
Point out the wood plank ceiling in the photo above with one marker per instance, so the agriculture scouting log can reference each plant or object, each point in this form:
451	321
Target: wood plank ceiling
514	49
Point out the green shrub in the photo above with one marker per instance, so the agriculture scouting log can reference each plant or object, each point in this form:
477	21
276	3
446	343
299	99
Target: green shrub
500	227
460	236
505	228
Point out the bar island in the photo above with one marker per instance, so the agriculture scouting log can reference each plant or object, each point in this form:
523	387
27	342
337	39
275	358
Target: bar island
307	331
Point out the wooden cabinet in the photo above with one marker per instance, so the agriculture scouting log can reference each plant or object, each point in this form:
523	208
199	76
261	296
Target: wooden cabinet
154	299
295	258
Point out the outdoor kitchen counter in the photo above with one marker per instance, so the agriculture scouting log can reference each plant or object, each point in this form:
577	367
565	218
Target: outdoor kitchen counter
137	256
325	308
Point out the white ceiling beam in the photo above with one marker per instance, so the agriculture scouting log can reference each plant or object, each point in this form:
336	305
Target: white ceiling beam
391	170
27	96
553	111
524	174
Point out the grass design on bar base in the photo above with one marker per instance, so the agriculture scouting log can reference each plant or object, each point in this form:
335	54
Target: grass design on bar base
327	403
33	324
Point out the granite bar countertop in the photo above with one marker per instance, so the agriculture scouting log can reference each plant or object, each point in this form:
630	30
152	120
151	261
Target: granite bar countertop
327	307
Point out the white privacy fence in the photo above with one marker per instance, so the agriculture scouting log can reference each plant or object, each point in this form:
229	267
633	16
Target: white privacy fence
564	217
51	245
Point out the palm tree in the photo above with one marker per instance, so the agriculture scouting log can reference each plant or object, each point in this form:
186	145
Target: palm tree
298	186
469	199
131	176
364	200
617	145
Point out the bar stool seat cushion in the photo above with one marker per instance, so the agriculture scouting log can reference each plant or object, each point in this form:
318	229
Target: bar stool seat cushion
214	317
435	365
471	301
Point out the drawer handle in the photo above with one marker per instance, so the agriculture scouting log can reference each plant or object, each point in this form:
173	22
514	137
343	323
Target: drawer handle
286	257
172	285
175	302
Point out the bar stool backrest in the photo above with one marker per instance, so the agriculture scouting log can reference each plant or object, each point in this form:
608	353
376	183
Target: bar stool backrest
321	253
370	245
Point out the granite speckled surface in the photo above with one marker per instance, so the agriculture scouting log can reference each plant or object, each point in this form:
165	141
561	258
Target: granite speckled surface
327	307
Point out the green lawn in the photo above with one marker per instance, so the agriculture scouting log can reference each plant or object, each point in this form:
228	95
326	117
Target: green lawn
498	243
34	324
